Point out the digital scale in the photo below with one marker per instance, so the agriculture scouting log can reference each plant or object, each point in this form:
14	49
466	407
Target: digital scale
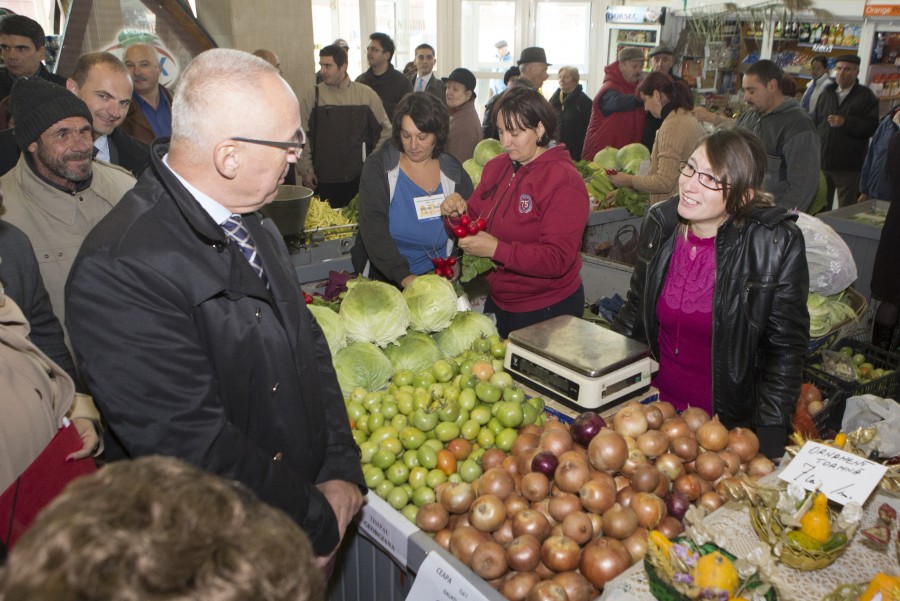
579	363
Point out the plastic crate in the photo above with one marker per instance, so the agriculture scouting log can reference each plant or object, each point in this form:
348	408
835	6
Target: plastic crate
860	305
834	400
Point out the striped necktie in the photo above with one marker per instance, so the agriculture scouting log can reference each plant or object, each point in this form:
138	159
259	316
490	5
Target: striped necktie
237	231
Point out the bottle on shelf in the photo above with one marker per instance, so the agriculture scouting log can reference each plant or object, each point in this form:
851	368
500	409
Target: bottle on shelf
837	35
804	33
816	35
826	35
778	32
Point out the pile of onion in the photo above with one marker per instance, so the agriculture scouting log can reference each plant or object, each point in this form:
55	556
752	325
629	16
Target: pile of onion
570	509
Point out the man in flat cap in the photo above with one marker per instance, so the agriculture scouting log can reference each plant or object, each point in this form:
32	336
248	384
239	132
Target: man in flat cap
56	193
846	116
504	61
617	117
532	73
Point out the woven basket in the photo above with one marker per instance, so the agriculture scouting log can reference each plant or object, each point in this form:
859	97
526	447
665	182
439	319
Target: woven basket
792	555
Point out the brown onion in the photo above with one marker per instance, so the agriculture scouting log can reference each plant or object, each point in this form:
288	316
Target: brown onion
710	466
604	559
504	534
563	505
492	458
596	496
524	459
442	537
457	497
653	443
464	541
670	527
665	407
524	553
744	442
670	465
694	417
432	517
635	458
712	435
648	508
509	464
577	526
645	478
489	560
576	586
636	544
547	590
525	441
654	416
623	497
496	481
557	441
685	448
689	485
619	522
711	500
760	466
572	472
723	485
560	553
732	462
535	486
531	522
674	427
515	503
517	585
487	513
607	451
630	421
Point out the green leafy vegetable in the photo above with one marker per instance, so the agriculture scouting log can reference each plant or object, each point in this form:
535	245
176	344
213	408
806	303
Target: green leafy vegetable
474	171
486	150
332	326
628	153
374	312
362	365
465	328
633	201
432	303
414	351
606	158
473	266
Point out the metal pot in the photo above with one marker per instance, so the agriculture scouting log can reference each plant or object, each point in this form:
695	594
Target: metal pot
289	209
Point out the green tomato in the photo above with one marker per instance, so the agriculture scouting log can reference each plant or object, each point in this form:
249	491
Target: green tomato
481	345
476	455
399	421
397	473
409	512
424	379
392	445
372	399
384	488
412	438
485	438
375	421
465	367
403	377
358	437
536	402
355	410
425	420
858	359
358	394
498	350
454	477
487	392
529	414
435	477
398	498
510	414
448	411
362	424
435	444
404	402
500	379
494	425
463	418
436	391
451	393
417	477
481	414
426	456
505	439
411	458
469	470
846	350
446	431
389	409
366	450
470	429
514	394
421	399
467	399
383	459
442	370
423	496
382	433
373	476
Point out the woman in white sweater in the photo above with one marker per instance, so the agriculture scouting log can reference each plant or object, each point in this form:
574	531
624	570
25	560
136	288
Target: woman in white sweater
676	139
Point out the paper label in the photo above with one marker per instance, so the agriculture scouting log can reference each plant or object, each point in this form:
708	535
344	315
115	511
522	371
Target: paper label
386	527
428	208
841	476
437	580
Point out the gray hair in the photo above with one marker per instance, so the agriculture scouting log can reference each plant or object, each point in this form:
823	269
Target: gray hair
572	71
207	87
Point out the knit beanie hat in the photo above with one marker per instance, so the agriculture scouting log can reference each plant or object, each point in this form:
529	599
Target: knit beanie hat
37	104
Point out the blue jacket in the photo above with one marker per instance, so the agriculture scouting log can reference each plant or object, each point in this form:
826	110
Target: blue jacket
873	181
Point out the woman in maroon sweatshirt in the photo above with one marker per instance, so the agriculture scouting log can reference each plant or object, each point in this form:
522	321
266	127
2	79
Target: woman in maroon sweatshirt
536	208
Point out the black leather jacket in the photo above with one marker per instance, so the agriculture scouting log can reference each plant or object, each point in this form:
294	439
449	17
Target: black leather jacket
760	322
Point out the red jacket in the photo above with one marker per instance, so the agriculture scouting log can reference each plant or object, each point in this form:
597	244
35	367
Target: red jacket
538	214
615	129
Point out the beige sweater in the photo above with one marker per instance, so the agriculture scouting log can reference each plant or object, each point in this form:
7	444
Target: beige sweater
675	142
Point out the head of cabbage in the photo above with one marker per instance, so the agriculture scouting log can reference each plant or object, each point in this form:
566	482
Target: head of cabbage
415	351
374	312
465	328
332	326
432	303
486	150
362	365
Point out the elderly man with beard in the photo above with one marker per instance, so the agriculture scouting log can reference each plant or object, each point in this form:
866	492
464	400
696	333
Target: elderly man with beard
56	193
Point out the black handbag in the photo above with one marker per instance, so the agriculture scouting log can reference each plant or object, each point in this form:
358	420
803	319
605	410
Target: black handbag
625	245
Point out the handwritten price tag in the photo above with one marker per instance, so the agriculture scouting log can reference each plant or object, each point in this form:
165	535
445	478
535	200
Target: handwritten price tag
842	476
437	580
386	527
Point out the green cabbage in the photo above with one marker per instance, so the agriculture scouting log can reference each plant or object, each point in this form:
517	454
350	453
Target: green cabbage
332	326
606	158
630	152
432	303
486	150
465	328
362	365
414	351
474	171
633	166
374	312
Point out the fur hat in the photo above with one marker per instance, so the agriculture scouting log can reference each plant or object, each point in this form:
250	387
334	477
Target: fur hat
38	104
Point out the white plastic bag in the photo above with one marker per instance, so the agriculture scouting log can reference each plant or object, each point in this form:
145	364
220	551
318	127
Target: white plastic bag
868	411
831	264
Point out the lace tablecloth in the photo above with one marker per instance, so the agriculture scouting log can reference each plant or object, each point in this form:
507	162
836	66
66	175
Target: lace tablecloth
731	523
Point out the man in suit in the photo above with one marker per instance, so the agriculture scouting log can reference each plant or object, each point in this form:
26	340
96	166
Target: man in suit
150	114
23	47
423	79
214	357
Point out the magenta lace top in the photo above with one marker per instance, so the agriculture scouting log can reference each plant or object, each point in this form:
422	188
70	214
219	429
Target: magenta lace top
684	311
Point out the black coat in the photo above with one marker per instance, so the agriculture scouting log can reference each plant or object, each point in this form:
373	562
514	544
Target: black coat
844	148
189	355
574	113
7	80
760	326
885	283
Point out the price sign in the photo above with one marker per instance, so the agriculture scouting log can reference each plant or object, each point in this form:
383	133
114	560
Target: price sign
842	476
437	580
386	527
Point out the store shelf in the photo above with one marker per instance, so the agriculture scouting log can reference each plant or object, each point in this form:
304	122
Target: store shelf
833	48
629	43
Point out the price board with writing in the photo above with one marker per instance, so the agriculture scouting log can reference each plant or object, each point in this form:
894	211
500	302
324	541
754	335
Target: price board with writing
438	580
386	527
841	476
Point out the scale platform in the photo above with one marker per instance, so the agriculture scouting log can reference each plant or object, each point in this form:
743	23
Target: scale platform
578	362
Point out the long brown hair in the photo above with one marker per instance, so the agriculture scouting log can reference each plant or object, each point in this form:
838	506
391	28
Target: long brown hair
738	159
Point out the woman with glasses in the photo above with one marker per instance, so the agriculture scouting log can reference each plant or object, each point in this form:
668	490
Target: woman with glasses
676	138
719	292
401	189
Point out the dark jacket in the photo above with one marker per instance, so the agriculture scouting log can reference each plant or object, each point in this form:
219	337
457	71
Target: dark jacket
136	124
7	80
613	128
760	325
873	181
844	148
21	280
435	86
574	112
189	355
374	242
390	86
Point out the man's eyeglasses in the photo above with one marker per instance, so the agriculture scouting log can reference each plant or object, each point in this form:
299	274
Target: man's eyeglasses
706	180
373	49
296	145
